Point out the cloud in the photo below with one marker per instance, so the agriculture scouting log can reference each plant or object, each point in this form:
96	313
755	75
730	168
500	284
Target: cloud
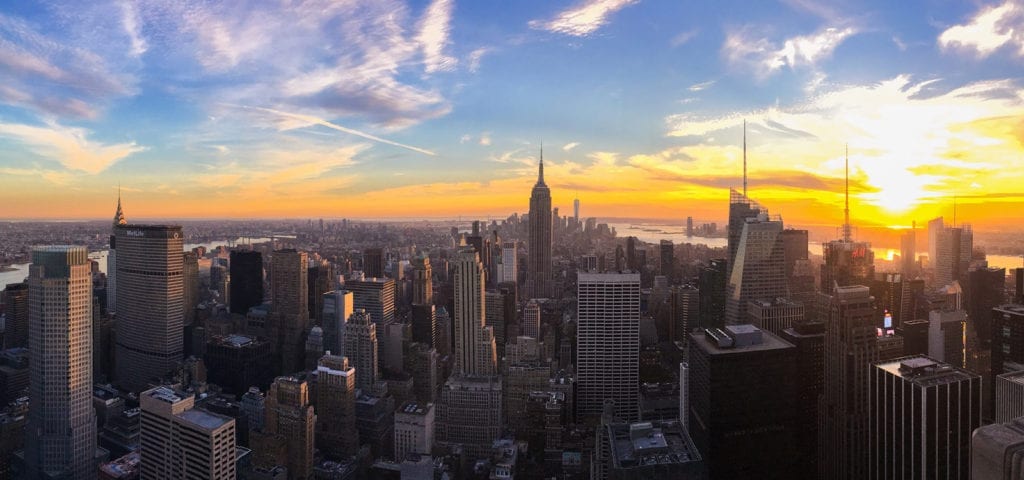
306	120
485	139
61	73
701	86
990	29
909	141
70	146
433	36
569	146
475	57
133	28
465	138
682	38
746	49
583	18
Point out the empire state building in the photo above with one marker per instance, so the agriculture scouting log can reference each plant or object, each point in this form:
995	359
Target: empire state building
538	272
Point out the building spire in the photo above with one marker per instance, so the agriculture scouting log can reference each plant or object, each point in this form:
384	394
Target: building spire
846	211
744	158
119	215
540	175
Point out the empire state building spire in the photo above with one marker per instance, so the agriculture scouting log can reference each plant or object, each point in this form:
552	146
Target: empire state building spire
540	174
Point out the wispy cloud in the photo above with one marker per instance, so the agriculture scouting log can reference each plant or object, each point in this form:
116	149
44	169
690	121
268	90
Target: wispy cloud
133	28
701	86
69	146
311	120
569	146
583	18
682	38
745	48
990	29
475	57
433	36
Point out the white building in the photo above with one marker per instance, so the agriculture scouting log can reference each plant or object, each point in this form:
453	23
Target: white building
608	344
179	441
414	430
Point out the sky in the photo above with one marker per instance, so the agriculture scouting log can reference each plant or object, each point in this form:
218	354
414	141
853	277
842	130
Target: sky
386	108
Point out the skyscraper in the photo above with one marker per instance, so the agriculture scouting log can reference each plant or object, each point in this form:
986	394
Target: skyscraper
668	260
908	253
150	303
287	436
474	342
15	302
373	262
246	280
190	285
851	346
422	281
361	349
470	413
1007	342
741	208
180	441
922	414
997	451
61	432
338	307
731	369
809	339
936	226
289	309
538	273
759	269
711	285
530	326
337	436
375	295
509	271
321	280
608	344
847	262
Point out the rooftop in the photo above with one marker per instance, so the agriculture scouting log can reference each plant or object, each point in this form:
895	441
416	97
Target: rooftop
204	419
737	339
413	408
165	394
1015	377
650	443
923	371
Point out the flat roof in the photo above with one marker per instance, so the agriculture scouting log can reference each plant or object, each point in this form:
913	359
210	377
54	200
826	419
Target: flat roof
925	371
1015	377
204	419
769	341
165	394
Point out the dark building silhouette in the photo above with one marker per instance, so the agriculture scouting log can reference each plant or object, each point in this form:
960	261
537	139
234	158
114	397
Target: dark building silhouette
1007	343
15	309
237	362
922	413
373	262
246	280
915	336
809	340
321	280
668	260
732	370
985	291
711	284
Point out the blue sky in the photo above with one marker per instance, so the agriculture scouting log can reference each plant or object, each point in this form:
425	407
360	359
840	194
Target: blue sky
378	108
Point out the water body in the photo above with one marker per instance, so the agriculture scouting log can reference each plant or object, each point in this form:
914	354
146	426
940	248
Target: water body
655	233
20	270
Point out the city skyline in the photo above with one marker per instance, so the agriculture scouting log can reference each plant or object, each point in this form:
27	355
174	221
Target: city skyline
387	110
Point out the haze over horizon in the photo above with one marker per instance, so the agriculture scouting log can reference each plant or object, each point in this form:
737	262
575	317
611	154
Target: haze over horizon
437	109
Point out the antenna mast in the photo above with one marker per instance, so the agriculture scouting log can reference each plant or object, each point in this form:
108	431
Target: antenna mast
744	159
846	211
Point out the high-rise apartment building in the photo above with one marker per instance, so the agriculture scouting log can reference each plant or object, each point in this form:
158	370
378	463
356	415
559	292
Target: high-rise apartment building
181	441
150	303
336	434
538	273
246	280
361	349
61	432
475	351
731	369
922	413
289	307
608	344
759	269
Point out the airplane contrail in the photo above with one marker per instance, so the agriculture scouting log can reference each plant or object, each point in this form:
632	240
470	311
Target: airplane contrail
334	126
